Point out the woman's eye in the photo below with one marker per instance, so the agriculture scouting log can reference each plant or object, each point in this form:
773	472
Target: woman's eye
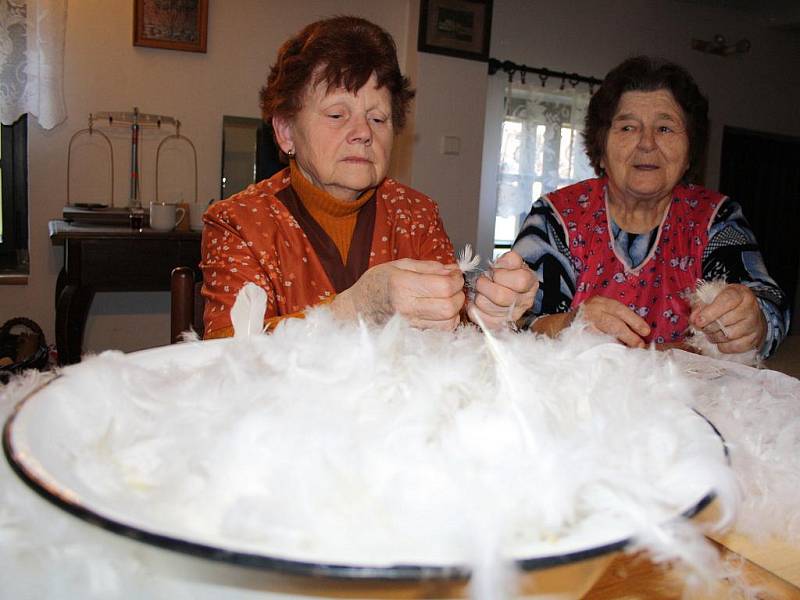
627	128
378	119
334	116
665	129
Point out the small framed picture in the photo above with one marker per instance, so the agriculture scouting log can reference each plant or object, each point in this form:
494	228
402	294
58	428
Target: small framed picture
171	24
455	27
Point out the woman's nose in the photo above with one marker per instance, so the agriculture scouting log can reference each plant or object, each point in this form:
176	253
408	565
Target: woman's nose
361	132
647	139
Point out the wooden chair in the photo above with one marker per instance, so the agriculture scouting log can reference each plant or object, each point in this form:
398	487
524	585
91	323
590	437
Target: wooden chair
187	303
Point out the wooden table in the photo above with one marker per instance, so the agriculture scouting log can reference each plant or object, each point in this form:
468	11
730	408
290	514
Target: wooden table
771	566
636	578
111	259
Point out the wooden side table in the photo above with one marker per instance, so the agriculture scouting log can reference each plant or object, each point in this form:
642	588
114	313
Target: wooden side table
111	259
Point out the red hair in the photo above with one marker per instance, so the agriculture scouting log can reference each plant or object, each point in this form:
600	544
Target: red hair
340	52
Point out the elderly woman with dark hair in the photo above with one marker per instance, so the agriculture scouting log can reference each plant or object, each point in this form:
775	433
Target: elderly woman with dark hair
332	228
627	248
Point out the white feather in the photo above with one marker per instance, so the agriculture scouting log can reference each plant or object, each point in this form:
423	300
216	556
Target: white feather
189	336
335	439
247	313
469	263
704	294
467	260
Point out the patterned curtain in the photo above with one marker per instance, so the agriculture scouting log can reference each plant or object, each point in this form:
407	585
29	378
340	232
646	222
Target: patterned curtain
541	149
32	60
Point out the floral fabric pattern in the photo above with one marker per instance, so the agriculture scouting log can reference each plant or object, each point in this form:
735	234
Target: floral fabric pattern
253	237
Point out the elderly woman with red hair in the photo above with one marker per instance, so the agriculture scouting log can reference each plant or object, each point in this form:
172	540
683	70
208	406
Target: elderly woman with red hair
332	228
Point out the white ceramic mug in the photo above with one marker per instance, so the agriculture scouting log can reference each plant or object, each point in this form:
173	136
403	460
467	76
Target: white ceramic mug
196	217
164	217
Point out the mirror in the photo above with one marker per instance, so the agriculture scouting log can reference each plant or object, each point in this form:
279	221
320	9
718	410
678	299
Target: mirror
238	153
249	154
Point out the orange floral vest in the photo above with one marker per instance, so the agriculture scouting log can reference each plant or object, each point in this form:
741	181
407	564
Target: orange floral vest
256	236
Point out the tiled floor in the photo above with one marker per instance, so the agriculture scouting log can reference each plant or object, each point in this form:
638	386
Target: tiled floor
787	358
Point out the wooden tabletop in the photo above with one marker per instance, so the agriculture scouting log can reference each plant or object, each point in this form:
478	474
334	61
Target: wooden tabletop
636	578
771	566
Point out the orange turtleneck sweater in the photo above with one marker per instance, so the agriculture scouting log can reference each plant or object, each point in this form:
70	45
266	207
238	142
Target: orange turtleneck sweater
336	217
255	237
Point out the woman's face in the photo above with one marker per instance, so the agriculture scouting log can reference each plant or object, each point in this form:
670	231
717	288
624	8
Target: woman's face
342	141
647	148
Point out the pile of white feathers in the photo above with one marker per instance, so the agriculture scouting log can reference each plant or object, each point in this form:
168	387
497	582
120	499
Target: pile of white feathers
354	444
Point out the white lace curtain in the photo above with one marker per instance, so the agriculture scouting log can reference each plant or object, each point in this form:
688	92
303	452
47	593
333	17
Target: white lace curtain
32	60
542	148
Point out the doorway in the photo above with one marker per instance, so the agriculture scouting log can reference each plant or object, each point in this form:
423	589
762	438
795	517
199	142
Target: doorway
762	172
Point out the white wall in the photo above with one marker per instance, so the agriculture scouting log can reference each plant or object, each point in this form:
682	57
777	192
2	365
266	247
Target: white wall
760	90
104	71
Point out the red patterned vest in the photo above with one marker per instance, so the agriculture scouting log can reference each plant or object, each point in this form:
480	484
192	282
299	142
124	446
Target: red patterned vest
657	290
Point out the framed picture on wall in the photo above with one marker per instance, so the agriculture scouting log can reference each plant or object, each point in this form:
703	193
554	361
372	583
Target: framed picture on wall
455	27
171	24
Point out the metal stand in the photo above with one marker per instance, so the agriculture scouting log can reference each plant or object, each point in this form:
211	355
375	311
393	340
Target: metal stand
181	138
136	121
134	213
91	131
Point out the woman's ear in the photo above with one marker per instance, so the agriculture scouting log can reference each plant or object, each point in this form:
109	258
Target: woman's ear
284	134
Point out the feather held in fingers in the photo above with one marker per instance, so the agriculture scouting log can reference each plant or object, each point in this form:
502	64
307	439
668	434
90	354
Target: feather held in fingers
704	294
469	263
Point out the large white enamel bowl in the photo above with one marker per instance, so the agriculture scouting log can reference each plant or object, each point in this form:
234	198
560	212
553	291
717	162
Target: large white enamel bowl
36	445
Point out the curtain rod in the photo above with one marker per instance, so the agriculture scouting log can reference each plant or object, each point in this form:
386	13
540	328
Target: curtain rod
544	74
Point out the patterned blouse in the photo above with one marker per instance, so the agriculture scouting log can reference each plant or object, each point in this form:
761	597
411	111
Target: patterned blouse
726	249
265	235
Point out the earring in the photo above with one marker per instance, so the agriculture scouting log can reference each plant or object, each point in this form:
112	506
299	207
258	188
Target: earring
290	153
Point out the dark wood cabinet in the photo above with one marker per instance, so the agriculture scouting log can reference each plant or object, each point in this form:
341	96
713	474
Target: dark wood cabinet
111	259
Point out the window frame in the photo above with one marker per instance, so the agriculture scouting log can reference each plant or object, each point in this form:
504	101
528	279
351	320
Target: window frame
14	168
526	179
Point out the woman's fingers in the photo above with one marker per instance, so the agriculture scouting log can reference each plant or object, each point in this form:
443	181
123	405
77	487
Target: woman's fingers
613	325
506	292
423	292
446	325
744	335
489	314
510	261
513	273
423	267
429	308
406	284
636	323
727	300
733	320
614	318
491	294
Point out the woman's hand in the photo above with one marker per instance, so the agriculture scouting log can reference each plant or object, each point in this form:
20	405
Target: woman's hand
427	293
614	318
503	294
734	321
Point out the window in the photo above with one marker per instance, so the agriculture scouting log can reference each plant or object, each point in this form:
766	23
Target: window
541	150
14	196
